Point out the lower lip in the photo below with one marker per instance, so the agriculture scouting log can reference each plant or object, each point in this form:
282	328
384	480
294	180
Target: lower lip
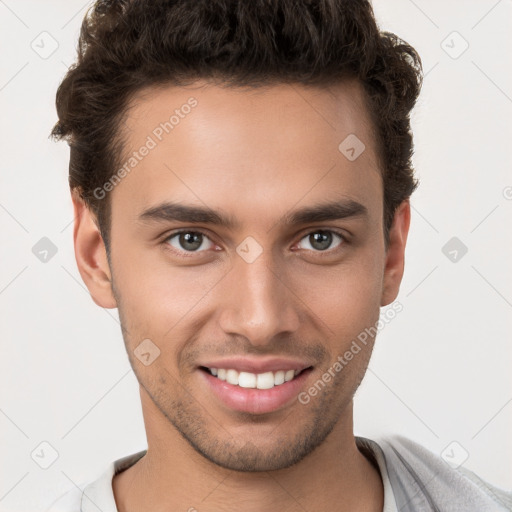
255	401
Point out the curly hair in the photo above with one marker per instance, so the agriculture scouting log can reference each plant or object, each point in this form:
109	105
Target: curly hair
127	45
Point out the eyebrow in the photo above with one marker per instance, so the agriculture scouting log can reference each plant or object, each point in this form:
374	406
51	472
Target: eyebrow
334	210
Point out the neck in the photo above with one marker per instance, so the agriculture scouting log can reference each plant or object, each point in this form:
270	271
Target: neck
173	476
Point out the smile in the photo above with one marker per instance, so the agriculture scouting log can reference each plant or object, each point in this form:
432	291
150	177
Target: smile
253	393
266	380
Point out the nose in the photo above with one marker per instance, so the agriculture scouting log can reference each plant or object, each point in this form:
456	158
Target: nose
258	302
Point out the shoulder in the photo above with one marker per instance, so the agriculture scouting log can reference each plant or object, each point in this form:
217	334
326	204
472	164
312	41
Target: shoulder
70	501
421	478
97	494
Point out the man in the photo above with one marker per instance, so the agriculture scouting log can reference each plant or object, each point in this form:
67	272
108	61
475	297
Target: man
241	174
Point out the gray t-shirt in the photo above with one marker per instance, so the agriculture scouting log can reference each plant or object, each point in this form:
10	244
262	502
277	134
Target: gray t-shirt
414	479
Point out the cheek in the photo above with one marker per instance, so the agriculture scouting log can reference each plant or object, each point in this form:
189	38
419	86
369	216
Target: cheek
345	297
155	295
348	302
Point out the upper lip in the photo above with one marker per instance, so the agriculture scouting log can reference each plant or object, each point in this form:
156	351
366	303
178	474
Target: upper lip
257	365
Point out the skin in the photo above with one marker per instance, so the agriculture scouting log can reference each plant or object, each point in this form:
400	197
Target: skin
257	156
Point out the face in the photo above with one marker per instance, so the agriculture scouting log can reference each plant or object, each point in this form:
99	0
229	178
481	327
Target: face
245	243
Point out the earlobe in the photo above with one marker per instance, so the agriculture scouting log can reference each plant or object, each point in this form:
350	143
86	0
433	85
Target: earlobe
395	254
91	255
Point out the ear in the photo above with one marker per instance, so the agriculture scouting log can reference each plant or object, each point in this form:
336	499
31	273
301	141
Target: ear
91	254
395	254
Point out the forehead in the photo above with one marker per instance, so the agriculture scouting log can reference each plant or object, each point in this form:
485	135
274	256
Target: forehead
248	148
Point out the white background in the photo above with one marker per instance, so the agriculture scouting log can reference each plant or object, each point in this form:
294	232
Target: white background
441	369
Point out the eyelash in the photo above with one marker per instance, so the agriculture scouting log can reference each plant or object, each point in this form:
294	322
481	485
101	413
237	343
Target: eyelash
188	254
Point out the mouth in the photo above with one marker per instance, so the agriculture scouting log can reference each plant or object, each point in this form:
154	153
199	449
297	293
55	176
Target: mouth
254	393
248	380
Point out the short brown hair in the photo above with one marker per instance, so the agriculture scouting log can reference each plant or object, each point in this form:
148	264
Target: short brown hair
127	45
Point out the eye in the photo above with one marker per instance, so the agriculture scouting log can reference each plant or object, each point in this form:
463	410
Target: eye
321	240
189	241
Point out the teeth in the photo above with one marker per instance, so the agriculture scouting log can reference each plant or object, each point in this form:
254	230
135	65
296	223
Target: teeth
232	377
279	377
247	380
265	380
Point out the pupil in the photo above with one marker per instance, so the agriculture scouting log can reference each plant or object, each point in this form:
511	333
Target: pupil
194	239
321	240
